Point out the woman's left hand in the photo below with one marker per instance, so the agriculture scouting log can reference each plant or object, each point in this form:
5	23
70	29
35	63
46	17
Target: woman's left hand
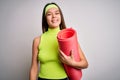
69	60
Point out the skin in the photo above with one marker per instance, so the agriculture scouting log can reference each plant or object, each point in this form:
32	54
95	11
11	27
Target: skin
54	19
69	60
34	65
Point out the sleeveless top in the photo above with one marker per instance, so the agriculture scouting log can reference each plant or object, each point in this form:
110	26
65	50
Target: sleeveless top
50	65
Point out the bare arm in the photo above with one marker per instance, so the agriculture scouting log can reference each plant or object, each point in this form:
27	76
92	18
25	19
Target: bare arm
69	60
34	64
82	64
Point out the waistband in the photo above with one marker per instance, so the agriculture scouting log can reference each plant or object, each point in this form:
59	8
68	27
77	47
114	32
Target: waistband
52	79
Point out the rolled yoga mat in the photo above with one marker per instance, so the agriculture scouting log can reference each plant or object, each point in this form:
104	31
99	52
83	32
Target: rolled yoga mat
67	40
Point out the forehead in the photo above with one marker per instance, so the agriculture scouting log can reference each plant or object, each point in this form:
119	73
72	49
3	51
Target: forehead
53	10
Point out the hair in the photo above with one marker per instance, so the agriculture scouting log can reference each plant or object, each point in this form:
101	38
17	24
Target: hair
44	20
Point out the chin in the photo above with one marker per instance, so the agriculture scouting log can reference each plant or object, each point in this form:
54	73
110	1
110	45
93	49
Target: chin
54	26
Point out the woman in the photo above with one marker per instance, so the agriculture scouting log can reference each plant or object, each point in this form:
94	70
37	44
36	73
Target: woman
45	48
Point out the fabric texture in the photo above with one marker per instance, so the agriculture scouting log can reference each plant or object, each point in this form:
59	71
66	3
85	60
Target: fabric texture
50	65
52	79
49	7
67	39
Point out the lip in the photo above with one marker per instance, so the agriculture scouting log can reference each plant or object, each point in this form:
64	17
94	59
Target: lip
54	21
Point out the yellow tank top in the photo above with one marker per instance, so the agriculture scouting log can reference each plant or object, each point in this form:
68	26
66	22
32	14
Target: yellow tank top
50	66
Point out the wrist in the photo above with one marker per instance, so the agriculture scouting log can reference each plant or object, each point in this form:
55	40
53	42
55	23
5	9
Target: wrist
73	64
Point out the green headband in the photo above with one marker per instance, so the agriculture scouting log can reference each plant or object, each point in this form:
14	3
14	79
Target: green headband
50	6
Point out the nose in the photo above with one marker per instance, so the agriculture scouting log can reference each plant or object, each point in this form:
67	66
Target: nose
53	15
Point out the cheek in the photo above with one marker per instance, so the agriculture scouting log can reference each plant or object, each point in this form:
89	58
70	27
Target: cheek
60	19
48	19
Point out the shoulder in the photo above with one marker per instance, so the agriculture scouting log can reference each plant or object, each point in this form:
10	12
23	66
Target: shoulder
36	40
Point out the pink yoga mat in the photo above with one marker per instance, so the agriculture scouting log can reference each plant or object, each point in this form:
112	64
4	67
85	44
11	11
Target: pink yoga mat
67	39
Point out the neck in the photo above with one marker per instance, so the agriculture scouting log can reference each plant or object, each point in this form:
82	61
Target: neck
54	30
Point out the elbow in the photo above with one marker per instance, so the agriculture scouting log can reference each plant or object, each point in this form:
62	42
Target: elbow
85	65
82	65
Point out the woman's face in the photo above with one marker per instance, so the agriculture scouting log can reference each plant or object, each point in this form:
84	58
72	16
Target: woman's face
53	17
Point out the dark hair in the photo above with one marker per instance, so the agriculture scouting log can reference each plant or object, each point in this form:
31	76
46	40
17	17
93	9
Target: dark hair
44	21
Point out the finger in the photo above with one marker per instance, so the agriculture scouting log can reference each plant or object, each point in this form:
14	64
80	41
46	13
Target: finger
72	54
62	59
62	53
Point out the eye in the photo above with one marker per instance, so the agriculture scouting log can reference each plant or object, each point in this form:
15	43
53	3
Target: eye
57	13
48	14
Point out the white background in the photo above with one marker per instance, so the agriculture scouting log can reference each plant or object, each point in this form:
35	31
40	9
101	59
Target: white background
97	23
